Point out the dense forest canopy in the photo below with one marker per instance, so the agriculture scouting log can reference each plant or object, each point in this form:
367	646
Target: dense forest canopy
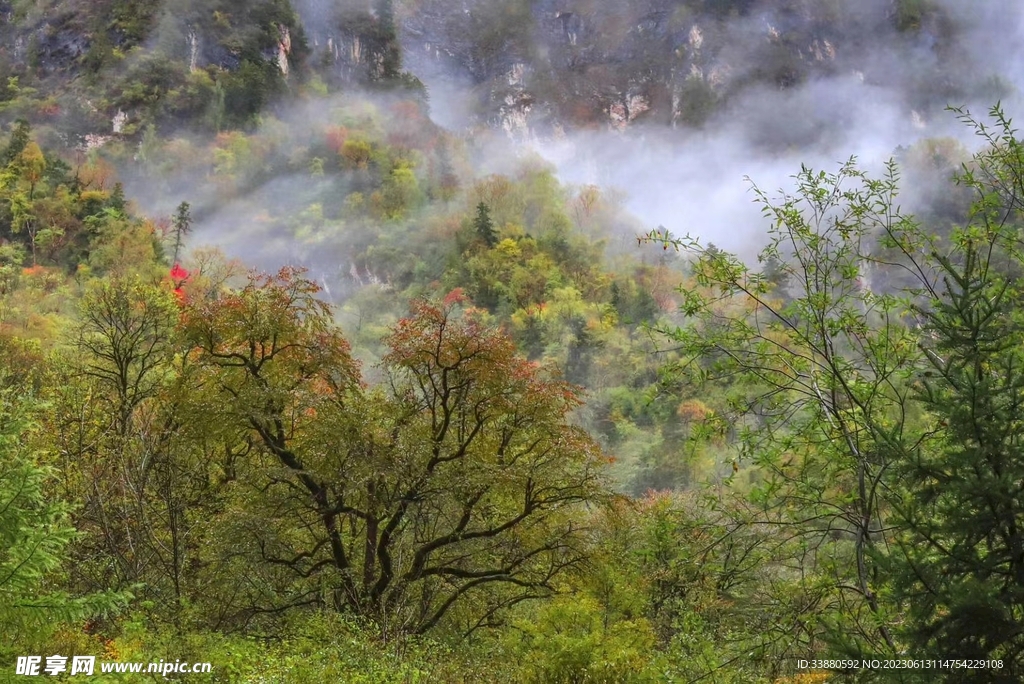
343	340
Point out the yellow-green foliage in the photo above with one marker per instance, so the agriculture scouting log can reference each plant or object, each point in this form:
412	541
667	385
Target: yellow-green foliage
570	640
320	648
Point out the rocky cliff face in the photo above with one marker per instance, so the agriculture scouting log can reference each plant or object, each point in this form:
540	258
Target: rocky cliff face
543	66
87	68
531	68
81	35
353	42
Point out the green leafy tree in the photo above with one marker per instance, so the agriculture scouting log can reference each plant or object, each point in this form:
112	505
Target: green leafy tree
118	434
400	194
35	533
821	379
125	341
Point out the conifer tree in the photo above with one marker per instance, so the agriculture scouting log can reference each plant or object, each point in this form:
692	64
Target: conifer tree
18	141
961	570
484	226
182	227
117	200
391	56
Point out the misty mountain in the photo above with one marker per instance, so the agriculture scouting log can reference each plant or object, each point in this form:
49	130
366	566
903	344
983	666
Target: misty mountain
669	102
532	68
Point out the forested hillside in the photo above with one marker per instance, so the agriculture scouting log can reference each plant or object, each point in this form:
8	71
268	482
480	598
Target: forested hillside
313	365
